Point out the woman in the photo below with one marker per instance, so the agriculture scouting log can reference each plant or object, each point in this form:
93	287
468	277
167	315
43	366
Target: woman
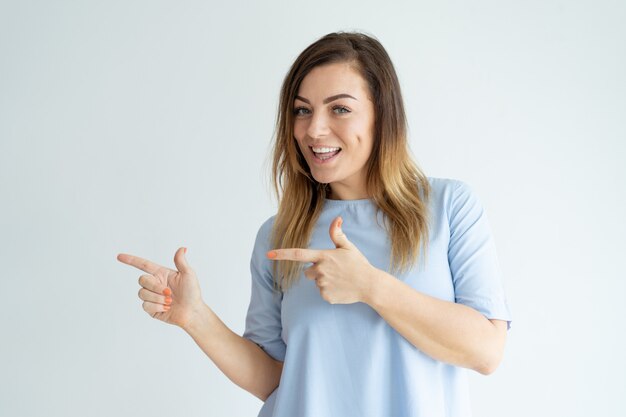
389	287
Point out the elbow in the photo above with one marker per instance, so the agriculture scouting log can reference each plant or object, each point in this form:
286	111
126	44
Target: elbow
279	371
489	358
488	364
486	369
263	397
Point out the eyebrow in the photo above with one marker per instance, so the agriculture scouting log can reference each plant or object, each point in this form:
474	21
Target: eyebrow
328	99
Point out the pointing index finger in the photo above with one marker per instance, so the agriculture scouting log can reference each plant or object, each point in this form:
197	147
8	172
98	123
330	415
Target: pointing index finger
295	254
140	263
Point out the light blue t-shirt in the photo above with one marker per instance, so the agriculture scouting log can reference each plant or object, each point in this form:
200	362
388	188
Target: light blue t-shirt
345	359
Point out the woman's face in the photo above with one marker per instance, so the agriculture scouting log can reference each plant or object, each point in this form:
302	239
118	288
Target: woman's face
333	110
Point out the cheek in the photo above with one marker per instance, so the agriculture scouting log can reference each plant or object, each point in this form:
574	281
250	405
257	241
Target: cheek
299	129
366	134
298	134
355	134
300	147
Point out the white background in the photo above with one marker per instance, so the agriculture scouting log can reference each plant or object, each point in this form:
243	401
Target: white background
143	126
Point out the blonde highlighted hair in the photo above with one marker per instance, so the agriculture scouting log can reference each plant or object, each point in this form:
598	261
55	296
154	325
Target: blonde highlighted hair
394	181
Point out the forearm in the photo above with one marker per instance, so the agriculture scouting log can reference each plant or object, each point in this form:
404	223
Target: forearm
447	331
240	359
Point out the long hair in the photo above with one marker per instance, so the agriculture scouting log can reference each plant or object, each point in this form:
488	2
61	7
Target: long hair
394	181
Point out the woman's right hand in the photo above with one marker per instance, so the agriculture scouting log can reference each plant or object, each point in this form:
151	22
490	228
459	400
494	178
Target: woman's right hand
168	295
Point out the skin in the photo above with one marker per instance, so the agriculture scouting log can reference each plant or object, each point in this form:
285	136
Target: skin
161	284
447	331
240	359
343	122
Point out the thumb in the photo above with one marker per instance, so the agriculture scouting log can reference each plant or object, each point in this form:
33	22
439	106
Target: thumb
180	261
337	236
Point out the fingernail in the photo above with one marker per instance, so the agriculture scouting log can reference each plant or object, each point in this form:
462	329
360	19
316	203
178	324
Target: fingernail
271	254
168	300
185	251
167	292
339	222
166	307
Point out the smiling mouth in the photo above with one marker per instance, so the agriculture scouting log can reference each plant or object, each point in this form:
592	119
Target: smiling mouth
325	153
324	156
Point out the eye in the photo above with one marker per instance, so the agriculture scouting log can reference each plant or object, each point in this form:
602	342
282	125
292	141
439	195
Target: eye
298	111
341	109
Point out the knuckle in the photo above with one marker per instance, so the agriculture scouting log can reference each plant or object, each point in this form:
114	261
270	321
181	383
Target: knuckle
143	280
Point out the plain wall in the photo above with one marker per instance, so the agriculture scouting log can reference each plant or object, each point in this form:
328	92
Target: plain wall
143	126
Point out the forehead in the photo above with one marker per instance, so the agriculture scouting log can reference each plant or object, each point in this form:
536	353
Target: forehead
329	79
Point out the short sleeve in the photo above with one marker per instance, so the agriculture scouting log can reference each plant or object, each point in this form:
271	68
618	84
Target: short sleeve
263	320
472	256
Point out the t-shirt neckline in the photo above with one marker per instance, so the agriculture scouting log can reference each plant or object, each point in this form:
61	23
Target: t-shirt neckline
357	202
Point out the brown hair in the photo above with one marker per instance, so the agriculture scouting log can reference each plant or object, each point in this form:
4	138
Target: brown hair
394	181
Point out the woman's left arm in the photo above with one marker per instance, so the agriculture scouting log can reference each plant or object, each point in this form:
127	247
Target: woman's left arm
451	332
447	331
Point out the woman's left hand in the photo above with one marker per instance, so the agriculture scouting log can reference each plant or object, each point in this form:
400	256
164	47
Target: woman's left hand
343	275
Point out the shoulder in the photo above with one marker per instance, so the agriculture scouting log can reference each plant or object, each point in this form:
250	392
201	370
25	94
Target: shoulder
454	197
446	185
267	225
264	232
262	243
444	191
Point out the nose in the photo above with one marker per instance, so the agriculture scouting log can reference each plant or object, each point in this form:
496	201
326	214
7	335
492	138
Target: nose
318	125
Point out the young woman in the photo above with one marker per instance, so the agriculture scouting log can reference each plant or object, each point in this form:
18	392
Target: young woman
374	288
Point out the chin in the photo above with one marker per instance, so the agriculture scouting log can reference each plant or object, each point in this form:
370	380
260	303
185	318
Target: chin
322	179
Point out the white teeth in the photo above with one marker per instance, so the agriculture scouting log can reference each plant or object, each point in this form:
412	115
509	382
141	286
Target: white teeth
325	150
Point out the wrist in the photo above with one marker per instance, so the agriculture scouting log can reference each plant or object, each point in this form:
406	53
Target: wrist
374	280
198	318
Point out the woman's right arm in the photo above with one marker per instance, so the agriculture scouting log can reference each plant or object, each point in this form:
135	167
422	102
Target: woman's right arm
174	297
240	359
